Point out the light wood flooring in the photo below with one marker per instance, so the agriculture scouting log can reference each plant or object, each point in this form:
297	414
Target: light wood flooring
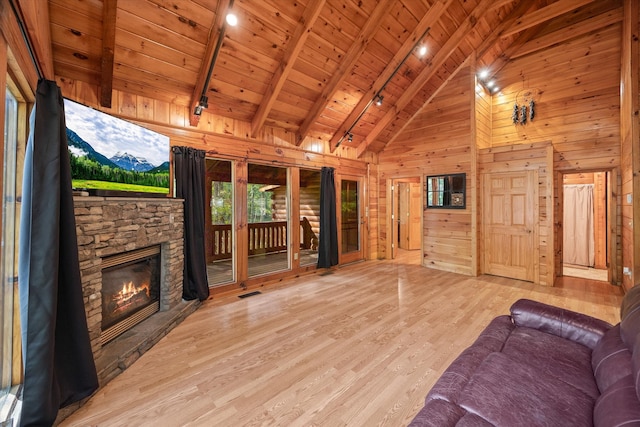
361	346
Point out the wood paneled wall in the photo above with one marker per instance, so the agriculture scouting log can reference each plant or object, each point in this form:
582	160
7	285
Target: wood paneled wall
576	89
630	135
438	141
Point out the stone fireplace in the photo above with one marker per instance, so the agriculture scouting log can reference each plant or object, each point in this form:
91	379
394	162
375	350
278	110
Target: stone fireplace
123	243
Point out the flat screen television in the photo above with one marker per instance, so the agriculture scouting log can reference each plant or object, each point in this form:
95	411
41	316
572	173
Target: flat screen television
113	157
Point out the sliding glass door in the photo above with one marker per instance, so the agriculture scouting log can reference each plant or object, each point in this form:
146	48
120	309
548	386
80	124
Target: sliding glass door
267	219
351	219
219	231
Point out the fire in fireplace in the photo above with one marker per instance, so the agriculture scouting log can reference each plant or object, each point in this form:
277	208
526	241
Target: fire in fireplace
130	290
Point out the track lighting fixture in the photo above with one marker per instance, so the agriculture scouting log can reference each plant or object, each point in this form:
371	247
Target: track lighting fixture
204	103
379	99
232	19
350	138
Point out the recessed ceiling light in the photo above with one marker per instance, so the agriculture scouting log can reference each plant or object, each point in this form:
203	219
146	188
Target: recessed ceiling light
484	74
490	83
232	19
422	51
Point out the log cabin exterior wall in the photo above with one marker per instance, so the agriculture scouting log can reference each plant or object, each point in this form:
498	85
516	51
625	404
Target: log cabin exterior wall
438	141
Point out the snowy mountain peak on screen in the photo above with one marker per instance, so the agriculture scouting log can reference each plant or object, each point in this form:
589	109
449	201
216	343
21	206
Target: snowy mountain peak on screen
131	163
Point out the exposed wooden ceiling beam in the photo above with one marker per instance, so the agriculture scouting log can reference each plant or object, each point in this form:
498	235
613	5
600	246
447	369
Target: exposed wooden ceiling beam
431	17
516	45
438	60
285	66
591	24
36	21
498	31
214	34
546	13
109	9
350	58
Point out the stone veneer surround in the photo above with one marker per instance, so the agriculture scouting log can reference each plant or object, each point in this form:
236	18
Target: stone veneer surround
108	226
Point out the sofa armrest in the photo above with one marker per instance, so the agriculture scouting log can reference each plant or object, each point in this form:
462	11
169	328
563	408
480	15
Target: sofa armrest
578	327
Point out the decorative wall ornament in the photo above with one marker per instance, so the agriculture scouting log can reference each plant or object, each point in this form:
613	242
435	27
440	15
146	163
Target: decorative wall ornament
531	110
524	106
523	114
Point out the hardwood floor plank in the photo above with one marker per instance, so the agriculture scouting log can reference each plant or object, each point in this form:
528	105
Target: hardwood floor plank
361	346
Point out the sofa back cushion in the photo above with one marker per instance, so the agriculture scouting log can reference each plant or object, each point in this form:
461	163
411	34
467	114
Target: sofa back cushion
630	330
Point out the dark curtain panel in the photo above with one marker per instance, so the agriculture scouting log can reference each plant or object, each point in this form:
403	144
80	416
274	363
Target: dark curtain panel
58	362
190	175
328	247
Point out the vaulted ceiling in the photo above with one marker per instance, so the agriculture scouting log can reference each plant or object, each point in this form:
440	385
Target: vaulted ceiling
312	67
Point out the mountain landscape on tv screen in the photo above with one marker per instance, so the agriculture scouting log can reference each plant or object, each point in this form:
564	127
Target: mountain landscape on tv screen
107	153
88	165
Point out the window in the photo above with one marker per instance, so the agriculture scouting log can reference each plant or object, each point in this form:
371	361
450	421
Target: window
8	257
446	191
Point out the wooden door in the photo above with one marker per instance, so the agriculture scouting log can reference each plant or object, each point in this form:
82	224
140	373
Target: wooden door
403	215
509	217
415	216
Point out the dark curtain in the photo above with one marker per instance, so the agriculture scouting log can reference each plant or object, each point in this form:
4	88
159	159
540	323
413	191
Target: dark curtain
328	247
190	176
58	363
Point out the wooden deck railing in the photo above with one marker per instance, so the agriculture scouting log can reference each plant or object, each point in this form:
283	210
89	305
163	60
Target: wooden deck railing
264	237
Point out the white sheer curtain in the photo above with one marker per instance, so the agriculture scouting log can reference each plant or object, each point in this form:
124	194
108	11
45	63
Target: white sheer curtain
578	242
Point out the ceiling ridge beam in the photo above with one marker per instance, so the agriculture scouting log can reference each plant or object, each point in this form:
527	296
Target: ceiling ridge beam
299	38
574	30
425	75
109	10
431	17
544	14
198	88
350	58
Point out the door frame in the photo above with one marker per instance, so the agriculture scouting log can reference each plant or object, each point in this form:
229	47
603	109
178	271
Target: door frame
613	175
362	222
392	200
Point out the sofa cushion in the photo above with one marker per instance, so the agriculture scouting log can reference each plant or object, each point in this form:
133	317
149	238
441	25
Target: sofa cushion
618	405
564	323
630	317
557	357
456	376
508	393
611	359
438	413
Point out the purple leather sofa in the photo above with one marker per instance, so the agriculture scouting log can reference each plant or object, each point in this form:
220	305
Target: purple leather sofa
543	366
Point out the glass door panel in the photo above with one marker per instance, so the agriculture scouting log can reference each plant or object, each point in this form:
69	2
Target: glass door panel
309	216
219	227
268	219
350	220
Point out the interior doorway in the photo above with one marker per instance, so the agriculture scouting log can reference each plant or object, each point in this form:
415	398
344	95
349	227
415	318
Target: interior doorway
406	215
586	213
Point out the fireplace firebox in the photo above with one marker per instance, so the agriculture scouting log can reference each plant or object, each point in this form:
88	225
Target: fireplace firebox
130	290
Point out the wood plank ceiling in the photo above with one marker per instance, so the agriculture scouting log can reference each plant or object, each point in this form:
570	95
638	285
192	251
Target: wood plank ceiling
312	67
